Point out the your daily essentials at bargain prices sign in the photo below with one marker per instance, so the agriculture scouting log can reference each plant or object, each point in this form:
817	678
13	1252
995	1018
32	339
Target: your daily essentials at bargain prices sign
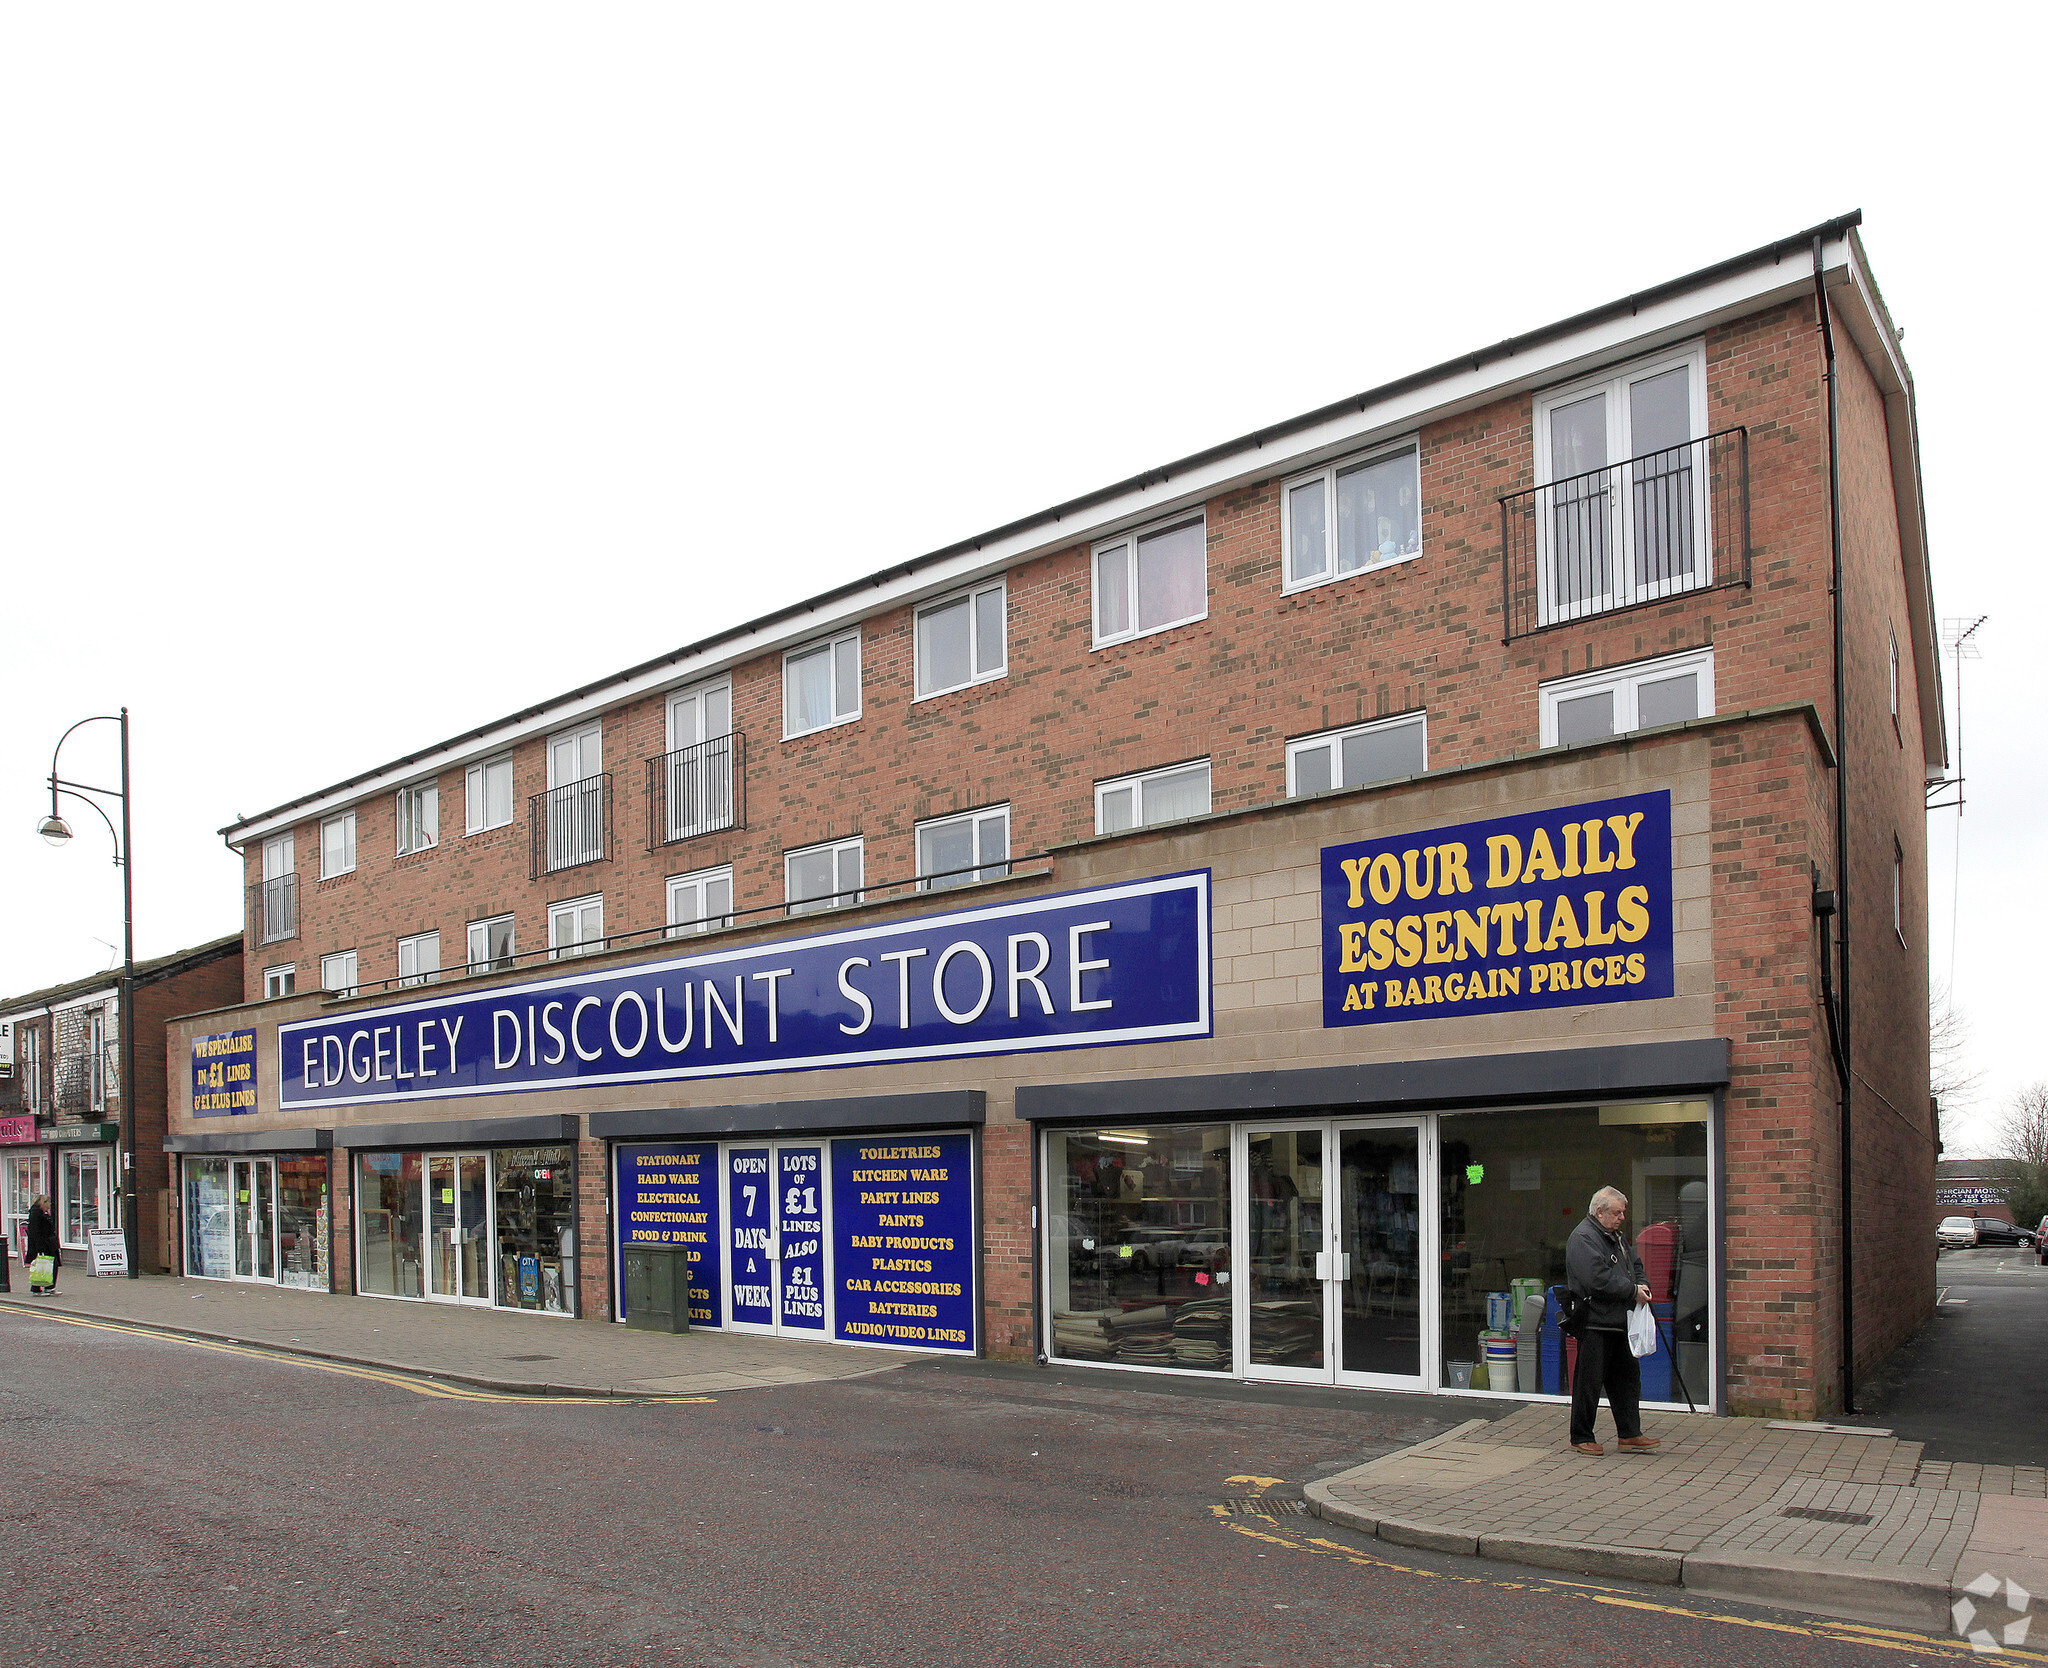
871	1236
1546	910
1116	964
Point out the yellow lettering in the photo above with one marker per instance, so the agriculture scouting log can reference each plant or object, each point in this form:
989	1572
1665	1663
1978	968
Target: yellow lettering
1571	850
1385	878
1635	969
1633	910
1595	863
1381	938
1351	1001
1352	933
1594	966
1450	870
1432	990
1408	940
1354	871
1510	981
1542	860
1505	915
1617	970
1393	993
1472	931
1420	889
1625	838
1438	927
1595	932
1454	987
1503	860
1564	926
1537	976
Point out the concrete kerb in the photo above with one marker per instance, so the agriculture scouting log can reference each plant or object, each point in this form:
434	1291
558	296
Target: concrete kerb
1903	1598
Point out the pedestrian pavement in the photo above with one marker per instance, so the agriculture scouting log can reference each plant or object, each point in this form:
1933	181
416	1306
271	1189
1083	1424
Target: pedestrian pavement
496	1349
1831	1519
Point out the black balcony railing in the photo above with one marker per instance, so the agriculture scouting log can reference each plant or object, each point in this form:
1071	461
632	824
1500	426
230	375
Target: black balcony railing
274	909
697	790
1659	526
572	824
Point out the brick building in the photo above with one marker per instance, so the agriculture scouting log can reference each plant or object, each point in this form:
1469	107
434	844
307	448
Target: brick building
1357	841
60	1103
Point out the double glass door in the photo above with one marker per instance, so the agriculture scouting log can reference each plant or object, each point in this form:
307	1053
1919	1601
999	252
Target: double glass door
775	1208
459	1227
1333	1245
252	1217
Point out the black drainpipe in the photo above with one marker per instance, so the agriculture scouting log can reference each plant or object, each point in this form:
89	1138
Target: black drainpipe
1837	998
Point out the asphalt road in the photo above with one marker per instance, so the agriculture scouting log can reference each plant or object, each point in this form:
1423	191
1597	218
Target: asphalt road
1970	1383
173	1503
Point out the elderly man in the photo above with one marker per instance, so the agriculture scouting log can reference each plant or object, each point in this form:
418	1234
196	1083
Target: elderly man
1604	1269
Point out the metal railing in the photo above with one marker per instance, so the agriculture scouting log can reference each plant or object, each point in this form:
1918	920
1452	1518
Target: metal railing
274	909
697	790
1659	526
571	825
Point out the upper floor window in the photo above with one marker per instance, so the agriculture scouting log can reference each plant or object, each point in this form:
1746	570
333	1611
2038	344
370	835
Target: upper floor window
487	795
1352	516
277	895
419	959
700	902
576	928
693	782
961	640
31	1048
952	851
1155	796
279	981
1635	697
337	845
822	877
821	685
96	1057
1150	580
338	973
574	815
1365	753
419	817
490	944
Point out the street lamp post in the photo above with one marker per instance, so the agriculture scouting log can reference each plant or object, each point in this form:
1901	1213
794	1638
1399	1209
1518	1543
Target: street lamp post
57	832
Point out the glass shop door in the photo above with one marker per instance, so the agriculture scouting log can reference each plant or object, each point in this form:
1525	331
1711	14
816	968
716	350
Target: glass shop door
1283	1254
459	1227
1381	1232
252	1216
775	1214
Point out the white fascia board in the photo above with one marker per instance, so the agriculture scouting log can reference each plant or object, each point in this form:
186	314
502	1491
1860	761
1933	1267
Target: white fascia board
1490	379
36	1010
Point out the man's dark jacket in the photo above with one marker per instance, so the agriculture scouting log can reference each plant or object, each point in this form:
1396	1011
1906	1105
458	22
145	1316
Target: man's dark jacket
1607	1270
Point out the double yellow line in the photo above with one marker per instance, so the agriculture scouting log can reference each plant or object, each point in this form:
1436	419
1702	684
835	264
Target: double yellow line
346	1369
1848	1633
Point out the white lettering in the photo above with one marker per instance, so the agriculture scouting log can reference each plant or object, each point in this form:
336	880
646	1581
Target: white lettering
735	1016
966	947
774	1034
857	996
547	1024
618	1002
1030	975
498	1060
902	959
661	1019
1076	966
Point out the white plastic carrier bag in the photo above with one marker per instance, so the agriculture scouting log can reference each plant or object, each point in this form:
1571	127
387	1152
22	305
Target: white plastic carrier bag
1642	1330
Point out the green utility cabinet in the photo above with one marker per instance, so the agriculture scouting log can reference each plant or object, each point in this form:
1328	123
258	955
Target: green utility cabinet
657	1288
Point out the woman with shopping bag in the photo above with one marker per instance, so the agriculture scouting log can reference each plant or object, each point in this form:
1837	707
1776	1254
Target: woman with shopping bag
42	1243
1606	1274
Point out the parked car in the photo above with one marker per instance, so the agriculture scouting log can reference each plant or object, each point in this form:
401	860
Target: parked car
1995	1230
1956	1232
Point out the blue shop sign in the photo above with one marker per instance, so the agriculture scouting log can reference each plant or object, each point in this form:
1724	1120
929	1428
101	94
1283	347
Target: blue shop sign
1115	964
668	1195
903	1241
224	1074
1550	909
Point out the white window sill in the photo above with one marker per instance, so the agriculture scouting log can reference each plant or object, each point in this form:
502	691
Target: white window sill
1149	631
971	683
489	828
837	723
338	873
1321	580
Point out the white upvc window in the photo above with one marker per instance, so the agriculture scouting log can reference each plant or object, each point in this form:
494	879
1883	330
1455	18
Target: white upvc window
1152	579
1365	512
487	795
576	928
490	945
954	851
277	900
419	959
279	981
700	902
31	1041
419	817
696	781
1376	752
96	1056
962	640
1154	796
337	845
338	973
821	685
823	877
1639	696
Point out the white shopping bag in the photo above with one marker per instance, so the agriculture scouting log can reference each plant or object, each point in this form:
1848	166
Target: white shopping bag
1642	1330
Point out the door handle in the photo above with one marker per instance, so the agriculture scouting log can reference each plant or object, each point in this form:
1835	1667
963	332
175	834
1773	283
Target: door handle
1322	1265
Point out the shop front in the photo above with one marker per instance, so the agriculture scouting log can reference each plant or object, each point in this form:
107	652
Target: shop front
24	1176
85	1197
257	1208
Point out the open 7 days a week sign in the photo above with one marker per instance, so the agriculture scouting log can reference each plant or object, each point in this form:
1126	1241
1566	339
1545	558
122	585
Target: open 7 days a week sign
1115	964
1545	910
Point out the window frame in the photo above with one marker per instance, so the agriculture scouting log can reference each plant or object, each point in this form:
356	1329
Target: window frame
419	976
407	804
354	973
476	789
977	674
697	925
472	965
346	820
855	843
1418	717
830	645
1198	517
558	951
1630	676
1328	474
1138	779
979	871
285	970
96	1057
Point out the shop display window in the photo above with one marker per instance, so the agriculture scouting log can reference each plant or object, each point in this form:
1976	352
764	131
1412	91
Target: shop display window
388	1194
209	1219
536	1208
1138	1246
302	1236
1513	1186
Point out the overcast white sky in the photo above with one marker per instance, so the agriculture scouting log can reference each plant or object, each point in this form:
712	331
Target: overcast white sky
368	372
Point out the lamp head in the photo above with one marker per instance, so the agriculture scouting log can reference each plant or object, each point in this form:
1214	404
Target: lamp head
54	829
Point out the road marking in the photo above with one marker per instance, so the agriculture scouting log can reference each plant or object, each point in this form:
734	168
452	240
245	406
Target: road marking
347	1369
1844	1633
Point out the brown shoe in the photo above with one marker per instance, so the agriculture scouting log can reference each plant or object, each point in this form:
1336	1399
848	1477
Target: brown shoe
1587	1448
1638	1442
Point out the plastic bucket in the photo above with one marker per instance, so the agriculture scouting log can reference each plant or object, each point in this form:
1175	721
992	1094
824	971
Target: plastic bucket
1460	1375
1500	1363
1500	1311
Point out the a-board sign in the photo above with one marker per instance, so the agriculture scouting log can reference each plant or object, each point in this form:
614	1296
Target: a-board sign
108	1248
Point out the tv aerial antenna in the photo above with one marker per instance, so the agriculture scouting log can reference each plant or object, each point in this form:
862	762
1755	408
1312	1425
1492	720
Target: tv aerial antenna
1959	637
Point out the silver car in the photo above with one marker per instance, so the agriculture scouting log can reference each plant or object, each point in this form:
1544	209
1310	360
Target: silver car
1956	1232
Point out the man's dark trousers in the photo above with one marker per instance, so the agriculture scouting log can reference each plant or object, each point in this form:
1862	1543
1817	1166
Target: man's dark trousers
1606	1363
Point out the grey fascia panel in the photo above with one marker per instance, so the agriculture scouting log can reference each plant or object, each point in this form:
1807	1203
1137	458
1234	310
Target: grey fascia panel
938	1107
254	1141
1540	1074
463	1132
